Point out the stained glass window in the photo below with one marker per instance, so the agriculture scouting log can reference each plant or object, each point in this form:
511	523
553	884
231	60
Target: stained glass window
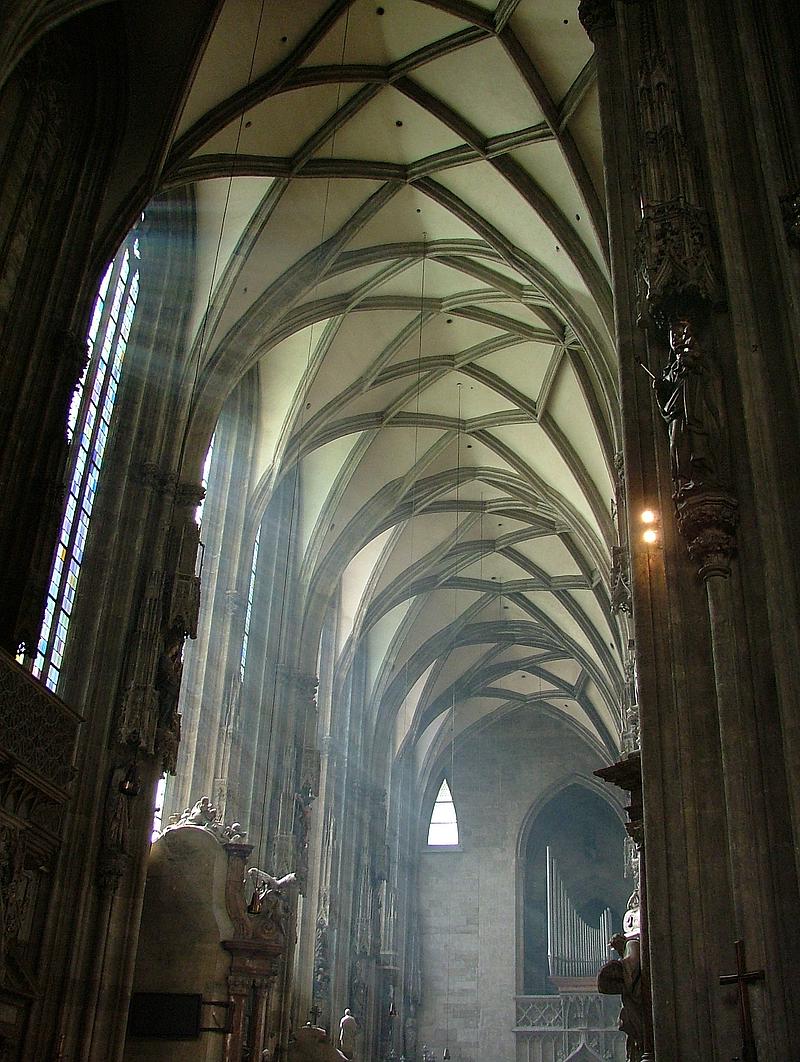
87	429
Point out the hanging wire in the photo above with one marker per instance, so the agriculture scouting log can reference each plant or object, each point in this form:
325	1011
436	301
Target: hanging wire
446	1053
218	250
297	476
414	485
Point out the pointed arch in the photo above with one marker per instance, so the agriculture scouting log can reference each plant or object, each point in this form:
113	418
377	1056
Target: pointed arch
443	824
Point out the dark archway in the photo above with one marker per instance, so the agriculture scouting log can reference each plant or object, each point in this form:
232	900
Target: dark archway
587	840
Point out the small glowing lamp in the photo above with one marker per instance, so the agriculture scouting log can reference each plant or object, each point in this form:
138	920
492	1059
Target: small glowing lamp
650	536
648	517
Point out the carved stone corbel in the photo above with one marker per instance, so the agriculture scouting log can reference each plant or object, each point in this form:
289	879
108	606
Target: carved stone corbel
708	521
596	15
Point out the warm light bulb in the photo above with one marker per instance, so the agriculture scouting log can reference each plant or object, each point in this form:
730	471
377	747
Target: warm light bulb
648	516
650	536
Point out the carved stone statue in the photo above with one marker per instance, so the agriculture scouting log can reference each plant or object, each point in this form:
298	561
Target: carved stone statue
168	687
623	977
168	677
348	1028
202	814
269	897
684	396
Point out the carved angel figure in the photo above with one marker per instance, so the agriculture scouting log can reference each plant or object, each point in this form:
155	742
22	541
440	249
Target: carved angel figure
623	977
269	897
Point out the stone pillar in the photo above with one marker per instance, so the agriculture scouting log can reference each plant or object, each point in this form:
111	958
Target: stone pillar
664	279
712	754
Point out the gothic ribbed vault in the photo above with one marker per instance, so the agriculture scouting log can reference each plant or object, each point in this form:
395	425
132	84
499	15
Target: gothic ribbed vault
403	234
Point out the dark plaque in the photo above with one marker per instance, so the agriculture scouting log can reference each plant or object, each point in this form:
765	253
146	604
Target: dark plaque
164	1016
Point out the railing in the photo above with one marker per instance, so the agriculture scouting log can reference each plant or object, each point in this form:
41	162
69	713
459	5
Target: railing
551	1028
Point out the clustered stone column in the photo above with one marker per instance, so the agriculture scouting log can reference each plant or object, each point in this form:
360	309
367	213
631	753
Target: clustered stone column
673	266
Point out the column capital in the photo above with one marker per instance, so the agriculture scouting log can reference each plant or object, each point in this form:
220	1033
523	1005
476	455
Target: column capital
596	15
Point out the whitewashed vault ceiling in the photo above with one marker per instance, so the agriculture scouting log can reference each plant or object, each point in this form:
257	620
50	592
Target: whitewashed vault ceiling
413	259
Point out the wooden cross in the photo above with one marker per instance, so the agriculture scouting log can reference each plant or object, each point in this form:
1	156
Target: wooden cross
314	1014
742	979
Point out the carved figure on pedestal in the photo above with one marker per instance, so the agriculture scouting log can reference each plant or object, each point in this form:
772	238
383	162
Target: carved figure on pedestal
302	827
168	686
623	977
348	1028
684	396
124	786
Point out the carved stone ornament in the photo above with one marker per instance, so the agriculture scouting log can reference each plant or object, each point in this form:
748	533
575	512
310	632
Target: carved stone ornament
674	259
790	207
675	263
301	685
596	15
185	604
14	886
204	814
138	717
184	593
168	684
36	729
708	522
234	603
189	495
123	788
620	580
153	477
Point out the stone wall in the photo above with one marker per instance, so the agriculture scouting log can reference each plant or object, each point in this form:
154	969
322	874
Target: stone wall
470	898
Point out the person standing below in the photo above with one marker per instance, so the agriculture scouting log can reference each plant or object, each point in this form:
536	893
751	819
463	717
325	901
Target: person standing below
348	1027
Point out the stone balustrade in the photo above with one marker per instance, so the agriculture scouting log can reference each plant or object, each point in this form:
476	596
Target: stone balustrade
553	1028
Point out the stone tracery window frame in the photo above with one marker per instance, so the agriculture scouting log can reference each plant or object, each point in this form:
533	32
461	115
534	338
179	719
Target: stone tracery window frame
87	428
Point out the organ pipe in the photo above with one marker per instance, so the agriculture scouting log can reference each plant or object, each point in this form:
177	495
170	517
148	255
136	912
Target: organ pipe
574	948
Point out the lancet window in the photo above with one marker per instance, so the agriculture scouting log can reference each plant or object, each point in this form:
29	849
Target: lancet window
87	428
248	615
443	827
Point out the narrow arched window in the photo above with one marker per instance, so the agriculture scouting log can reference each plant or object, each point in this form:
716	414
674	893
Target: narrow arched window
443	828
248	615
87	430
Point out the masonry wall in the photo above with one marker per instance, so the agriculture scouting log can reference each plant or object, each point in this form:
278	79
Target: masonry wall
470	924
